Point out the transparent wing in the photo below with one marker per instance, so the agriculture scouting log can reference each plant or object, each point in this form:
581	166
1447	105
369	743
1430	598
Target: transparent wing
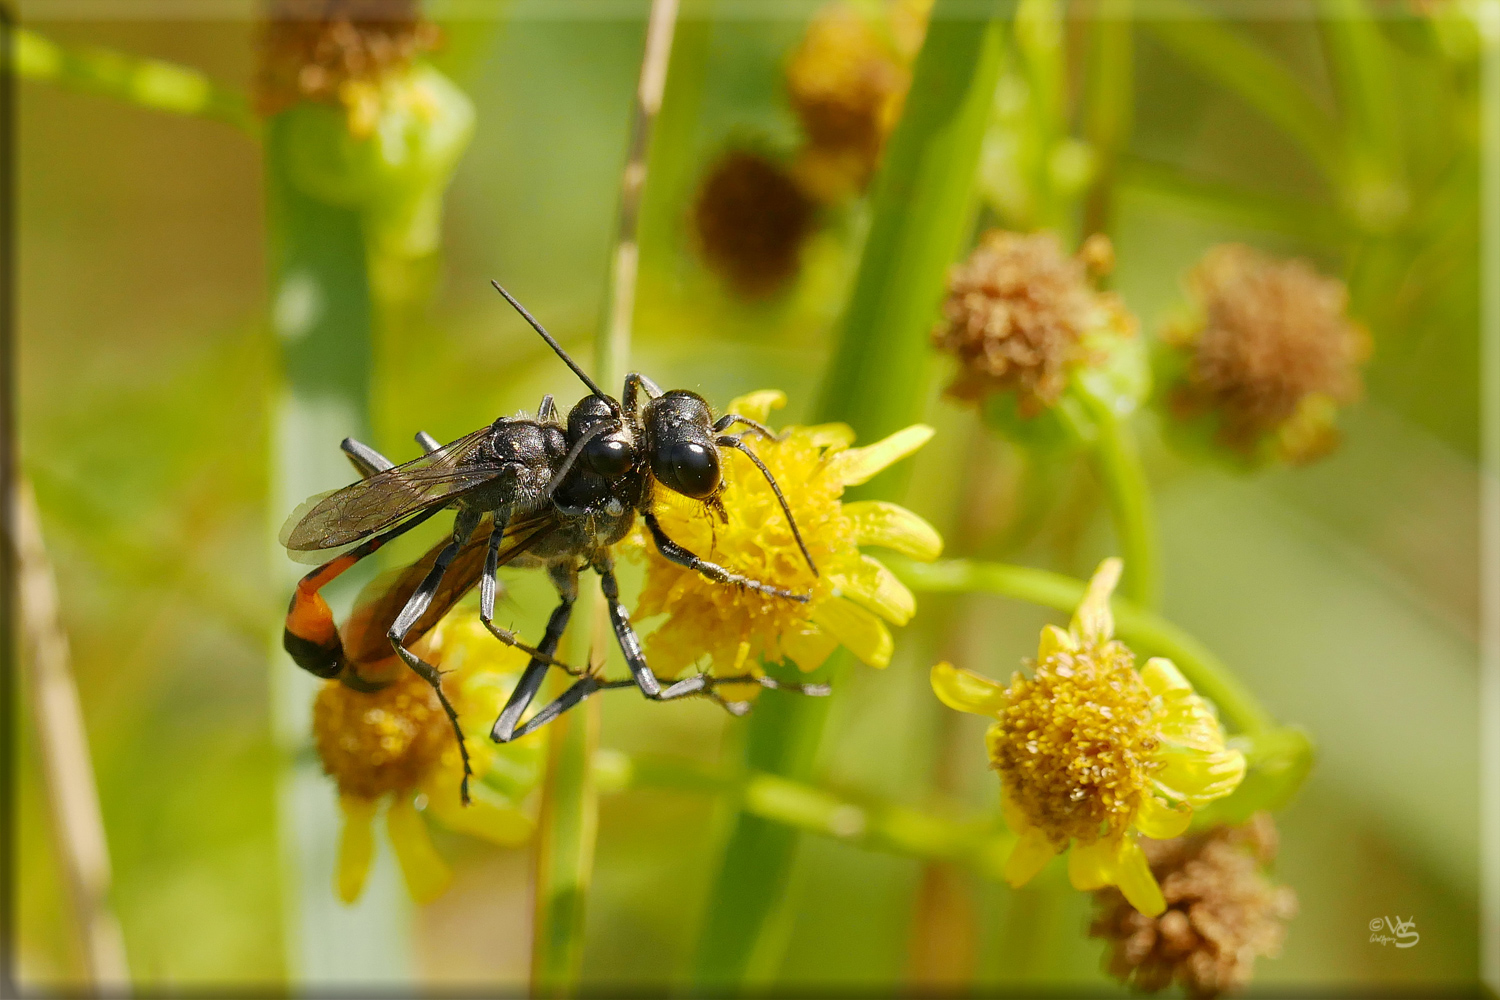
364	635
359	510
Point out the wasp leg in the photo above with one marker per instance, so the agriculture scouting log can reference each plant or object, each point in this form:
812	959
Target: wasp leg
366	460
682	557
565	579
310	636
427	442
728	420
636	383
463	526
547	410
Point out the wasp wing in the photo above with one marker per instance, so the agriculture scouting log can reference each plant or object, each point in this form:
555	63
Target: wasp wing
364	634
361	509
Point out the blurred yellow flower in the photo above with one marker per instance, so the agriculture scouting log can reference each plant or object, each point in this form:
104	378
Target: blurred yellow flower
1091	752
395	745
852	596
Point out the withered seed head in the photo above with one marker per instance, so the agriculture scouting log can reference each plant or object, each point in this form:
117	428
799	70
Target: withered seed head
751	219
1222	912
312	49
382	741
1016	314
1271	340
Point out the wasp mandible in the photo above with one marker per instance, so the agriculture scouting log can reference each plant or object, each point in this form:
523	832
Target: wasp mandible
531	492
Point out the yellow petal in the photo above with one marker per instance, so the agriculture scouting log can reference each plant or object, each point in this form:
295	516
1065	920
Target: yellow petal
427	874
1093	622
1197	778
1137	884
808	646
1055	640
488	816
860	631
1161	675
356	846
1092	866
859	465
967	691
1010	809
757	405
892	526
1030	855
1160	821
827	435
874	587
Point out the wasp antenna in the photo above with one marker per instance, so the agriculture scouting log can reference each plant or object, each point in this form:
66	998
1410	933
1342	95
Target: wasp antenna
731	441
551	342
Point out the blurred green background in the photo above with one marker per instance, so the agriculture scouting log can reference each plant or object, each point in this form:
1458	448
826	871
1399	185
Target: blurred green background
1346	594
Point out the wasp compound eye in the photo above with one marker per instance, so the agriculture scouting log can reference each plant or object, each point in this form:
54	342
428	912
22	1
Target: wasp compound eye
688	467
610	457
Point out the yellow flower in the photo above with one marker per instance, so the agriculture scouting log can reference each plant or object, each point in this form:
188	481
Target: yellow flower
396	746
1091	752
853	595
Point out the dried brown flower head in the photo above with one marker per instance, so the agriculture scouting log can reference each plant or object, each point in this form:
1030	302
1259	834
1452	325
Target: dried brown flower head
1270	352
1222	912
382	741
751	219
846	83
313	50
1016	314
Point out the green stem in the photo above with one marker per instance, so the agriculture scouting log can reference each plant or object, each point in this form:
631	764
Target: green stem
323	318
863	821
566	834
877	383
569	826
1117	462
1259	80
1110	108
149	83
1303	218
1152	633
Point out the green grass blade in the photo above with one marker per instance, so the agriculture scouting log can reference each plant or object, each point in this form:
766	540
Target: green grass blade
1264	84
922	209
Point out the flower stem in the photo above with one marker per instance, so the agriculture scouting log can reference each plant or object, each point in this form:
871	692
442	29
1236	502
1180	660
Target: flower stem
323	316
566	833
570	810
149	83
876	383
1110	107
1208	674
1117	462
1258	79
871	823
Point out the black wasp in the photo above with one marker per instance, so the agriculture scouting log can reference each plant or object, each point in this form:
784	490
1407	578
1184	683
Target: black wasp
528	491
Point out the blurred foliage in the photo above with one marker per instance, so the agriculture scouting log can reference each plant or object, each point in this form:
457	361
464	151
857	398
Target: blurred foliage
1345	594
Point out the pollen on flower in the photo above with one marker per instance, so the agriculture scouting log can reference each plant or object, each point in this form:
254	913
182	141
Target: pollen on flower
318	50
382	741
1017	316
751	219
1074	745
1223	912
1270	351
849	600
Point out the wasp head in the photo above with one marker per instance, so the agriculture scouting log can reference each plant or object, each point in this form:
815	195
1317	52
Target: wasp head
680	443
